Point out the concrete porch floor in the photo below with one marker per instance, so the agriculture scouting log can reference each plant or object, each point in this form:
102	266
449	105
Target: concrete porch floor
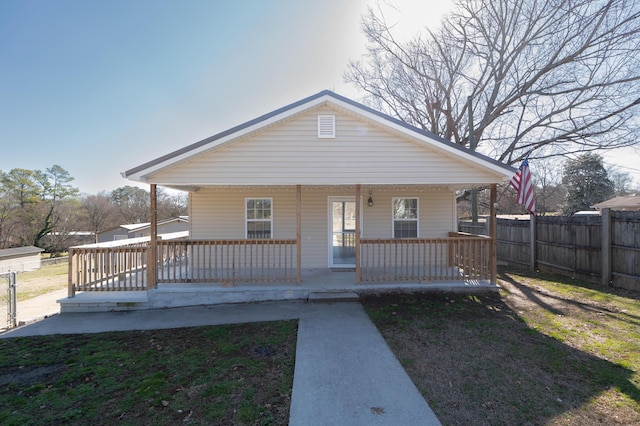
317	284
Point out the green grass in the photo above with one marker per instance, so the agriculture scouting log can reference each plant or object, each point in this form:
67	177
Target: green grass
41	281
546	350
45	271
234	374
600	320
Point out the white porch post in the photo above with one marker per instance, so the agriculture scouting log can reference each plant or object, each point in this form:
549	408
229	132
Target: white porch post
152	254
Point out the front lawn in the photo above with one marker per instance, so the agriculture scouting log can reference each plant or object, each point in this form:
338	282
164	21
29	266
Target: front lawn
231	374
546	350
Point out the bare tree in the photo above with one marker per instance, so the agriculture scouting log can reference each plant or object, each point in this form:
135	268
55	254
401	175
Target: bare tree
545	77
171	205
548	187
99	213
622	180
132	203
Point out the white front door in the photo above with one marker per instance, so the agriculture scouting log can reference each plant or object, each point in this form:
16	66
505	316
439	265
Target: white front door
342	232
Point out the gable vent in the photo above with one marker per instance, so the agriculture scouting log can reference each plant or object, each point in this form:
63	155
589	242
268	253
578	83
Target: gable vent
326	126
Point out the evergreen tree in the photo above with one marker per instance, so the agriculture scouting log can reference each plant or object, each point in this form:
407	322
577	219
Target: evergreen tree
587	183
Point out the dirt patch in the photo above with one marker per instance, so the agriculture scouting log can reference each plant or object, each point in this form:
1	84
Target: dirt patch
27	376
44	280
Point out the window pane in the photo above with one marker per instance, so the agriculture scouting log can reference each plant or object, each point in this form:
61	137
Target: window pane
265	213
259	209
412	208
258	218
405	208
405	229
405	215
259	230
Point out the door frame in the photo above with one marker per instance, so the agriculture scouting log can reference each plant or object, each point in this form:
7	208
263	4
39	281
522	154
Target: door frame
330	201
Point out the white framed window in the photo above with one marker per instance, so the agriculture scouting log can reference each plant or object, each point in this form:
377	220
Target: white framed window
326	126
405	218
259	218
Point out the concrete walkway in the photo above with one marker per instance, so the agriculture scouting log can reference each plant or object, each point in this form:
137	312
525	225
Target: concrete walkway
39	307
345	373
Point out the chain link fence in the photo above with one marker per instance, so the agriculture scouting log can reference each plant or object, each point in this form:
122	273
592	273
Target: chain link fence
8	300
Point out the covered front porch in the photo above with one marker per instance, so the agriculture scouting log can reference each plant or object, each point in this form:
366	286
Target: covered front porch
197	272
208	271
321	284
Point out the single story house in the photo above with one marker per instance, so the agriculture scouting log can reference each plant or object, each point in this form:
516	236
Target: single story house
323	184
137	230
120	232
167	226
623	202
20	259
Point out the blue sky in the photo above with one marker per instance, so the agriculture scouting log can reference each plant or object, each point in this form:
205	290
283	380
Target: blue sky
99	87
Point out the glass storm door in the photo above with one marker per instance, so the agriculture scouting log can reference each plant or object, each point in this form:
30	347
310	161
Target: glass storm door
342	238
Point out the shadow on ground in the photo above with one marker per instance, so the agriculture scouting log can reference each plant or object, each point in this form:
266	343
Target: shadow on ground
476	361
557	304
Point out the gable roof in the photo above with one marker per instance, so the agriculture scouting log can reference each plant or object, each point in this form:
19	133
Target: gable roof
626	202
140	173
19	252
130	227
147	225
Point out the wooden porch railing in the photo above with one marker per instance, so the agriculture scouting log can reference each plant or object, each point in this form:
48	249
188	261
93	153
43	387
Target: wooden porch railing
459	257
123	268
119	268
226	261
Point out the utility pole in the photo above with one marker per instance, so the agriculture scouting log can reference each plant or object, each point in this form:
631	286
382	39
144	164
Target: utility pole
472	147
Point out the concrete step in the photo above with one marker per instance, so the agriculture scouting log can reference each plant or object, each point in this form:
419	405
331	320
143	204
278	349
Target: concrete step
332	297
105	301
168	296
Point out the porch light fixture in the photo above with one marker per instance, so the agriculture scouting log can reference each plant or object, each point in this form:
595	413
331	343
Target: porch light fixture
370	200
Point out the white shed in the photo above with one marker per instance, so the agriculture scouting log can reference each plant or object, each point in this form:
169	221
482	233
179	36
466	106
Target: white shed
20	259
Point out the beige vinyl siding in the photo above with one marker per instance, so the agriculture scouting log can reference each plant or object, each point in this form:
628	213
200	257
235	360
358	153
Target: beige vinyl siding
220	214
291	153
436	212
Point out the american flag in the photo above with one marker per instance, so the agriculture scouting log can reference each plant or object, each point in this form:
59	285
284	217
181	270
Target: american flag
521	181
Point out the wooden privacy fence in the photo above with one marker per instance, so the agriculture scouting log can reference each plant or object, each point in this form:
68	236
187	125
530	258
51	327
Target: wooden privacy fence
462	257
569	245
599	248
227	261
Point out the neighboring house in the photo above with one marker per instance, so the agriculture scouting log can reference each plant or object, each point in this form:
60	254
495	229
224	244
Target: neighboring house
120	232
137	230
325	183
64	240
625	202
20	259
176	224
